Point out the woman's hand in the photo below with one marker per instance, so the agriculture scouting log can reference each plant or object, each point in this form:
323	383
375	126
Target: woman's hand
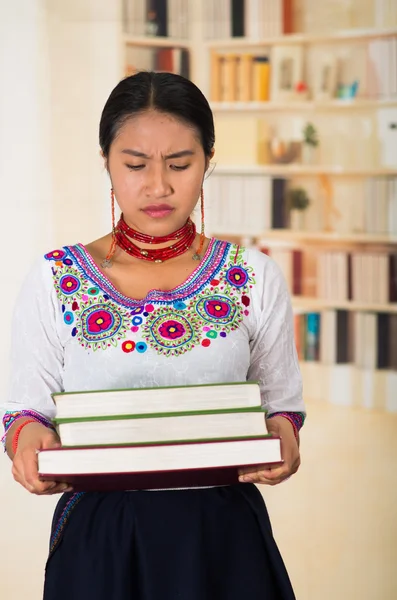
33	437
280	427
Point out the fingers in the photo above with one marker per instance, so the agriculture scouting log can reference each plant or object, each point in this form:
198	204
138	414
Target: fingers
270	475
24	470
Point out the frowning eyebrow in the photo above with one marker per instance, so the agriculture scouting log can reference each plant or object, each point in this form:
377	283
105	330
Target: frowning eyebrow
138	154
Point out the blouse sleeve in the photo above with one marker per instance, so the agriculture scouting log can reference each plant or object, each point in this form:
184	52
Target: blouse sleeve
274	361
36	350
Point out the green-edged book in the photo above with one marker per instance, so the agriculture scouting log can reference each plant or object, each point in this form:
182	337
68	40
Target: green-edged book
112	403
162	427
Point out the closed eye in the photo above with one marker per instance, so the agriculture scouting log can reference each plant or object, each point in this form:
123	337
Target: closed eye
179	168
135	167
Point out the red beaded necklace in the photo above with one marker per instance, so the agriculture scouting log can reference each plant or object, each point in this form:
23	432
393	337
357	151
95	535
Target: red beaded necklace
184	239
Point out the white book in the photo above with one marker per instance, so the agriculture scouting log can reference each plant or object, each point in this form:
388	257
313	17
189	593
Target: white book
387	136
173	18
164	428
141	459
340	385
105	403
252	18
379	10
392	213
370	341
393	64
227	18
369	199
341	263
382	278
328	337
374	386
391	392
359	338
386	74
138	10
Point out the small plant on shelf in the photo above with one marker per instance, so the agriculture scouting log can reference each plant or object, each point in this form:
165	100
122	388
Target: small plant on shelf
310	143
298	201
310	135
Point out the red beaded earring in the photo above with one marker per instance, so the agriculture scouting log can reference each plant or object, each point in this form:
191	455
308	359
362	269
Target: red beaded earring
197	255
107	263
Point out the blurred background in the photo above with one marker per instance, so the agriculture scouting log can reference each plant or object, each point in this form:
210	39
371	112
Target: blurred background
304	95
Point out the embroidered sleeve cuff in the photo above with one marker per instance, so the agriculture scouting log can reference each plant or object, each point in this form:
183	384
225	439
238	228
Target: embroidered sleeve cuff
9	419
296	419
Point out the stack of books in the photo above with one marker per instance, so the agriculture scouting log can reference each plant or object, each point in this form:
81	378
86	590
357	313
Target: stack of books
158	438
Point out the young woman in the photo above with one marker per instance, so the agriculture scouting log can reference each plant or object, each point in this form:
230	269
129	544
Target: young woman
155	304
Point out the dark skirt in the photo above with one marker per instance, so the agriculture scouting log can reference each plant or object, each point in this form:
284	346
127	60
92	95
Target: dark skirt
205	544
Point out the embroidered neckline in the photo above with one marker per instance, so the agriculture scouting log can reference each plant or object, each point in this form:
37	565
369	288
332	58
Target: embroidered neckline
211	264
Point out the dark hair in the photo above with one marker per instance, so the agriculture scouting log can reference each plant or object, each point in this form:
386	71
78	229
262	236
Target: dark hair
165	92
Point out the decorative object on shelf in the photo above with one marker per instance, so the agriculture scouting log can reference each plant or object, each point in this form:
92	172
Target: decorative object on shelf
286	72
152	26
301	91
298	201
330	210
348	92
325	83
284	151
310	144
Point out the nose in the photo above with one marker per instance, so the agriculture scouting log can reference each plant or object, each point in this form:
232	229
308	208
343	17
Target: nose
157	184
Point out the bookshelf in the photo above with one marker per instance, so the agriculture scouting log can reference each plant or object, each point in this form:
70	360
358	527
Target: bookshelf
304	170
339	180
331	105
318	304
323	237
154	42
353	36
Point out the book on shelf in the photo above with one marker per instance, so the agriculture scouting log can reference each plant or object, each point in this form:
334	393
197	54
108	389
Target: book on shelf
290	262
157	466
253	19
172	60
340	337
161	427
361	207
382	69
240	77
173	399
153	18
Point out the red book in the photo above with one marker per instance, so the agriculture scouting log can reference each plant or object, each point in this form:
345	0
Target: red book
288	16
157	466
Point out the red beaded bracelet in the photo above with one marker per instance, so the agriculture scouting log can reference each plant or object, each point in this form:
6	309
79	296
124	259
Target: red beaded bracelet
14	445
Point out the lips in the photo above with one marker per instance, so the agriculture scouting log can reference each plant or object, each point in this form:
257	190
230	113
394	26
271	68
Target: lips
158	210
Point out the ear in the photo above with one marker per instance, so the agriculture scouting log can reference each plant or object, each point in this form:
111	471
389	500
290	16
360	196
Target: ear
209	158
105	161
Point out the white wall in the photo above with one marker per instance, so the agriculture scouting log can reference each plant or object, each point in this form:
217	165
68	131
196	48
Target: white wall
58	63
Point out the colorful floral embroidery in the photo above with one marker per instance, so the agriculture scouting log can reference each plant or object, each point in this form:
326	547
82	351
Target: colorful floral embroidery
206	308
55	255
171	333
128	346
102	325
237	276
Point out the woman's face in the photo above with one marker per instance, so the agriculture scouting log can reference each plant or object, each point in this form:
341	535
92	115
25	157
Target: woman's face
156	165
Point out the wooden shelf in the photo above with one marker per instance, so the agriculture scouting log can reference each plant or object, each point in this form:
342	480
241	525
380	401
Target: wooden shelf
296	169
317	304
347	36
326	236
293	106
156	42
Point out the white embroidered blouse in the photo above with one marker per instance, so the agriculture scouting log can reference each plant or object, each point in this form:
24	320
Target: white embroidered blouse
230	321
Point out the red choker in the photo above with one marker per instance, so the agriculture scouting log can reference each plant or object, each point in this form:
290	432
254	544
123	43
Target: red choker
184	239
